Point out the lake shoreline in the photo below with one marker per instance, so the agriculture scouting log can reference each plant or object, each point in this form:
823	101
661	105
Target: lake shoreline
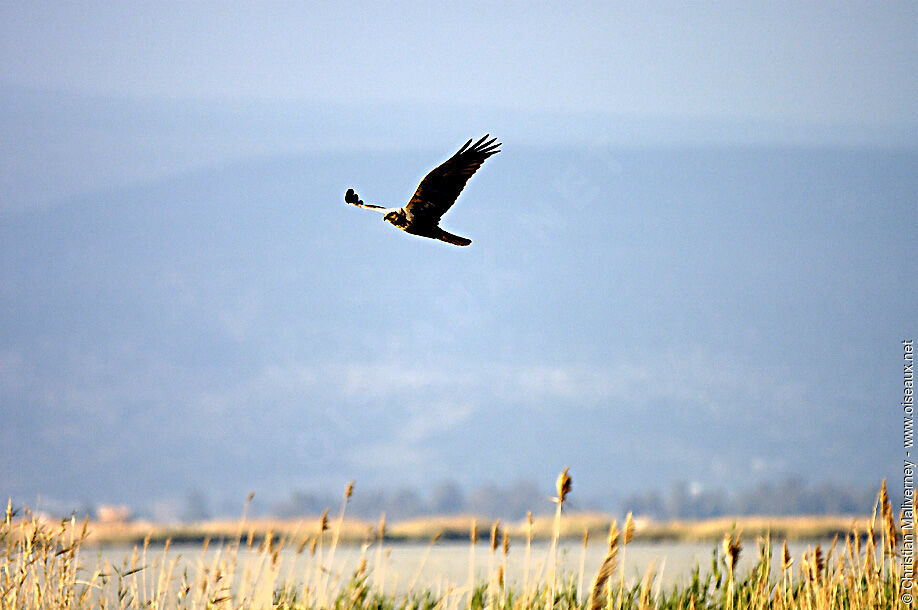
575	526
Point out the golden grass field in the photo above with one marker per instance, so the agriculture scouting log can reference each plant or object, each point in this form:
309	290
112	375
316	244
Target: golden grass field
294	564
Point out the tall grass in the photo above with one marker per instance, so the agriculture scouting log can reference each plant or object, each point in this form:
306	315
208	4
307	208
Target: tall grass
46	565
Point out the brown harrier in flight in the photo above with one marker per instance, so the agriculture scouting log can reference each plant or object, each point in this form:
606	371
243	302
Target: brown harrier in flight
436	193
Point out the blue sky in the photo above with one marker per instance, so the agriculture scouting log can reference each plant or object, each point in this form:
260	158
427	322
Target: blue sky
696	238
848	63
104	94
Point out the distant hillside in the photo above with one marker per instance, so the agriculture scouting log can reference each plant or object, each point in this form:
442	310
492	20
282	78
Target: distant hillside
729	314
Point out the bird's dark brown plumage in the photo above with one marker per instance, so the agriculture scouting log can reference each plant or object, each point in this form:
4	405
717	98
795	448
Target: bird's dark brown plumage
436	193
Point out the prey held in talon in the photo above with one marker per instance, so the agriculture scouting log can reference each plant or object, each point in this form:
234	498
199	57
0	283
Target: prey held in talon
436	193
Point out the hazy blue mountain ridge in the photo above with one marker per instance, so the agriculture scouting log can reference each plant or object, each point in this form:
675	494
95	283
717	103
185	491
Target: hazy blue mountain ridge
619	310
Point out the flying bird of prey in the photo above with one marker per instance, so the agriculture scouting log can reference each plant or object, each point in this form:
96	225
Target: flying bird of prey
436	193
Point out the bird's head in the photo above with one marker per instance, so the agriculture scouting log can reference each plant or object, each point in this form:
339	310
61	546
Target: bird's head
396	217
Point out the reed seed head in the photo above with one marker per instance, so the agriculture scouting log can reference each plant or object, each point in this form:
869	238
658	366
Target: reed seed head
831	551
601	591
268	543
613	535
629	528
495	530
563	486
733	547
786	559
889	522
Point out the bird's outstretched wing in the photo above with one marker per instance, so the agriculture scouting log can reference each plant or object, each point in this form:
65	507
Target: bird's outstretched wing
441	187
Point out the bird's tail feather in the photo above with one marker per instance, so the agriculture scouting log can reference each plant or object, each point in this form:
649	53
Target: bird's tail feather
456	240
352	198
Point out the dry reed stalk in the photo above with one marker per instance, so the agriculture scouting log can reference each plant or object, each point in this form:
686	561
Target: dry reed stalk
762	570
563	486
310	542
133	570
146	546
263	583
505	551
318	553
285	541
820	587
819	563
602	590
828	562
417	572
889	538
586	540
857	541
890	531
336	534
849	551
869	549
528	555
473	540
732	547
495	531
807	574
646	586
627	537
787	575
379	567
162	573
